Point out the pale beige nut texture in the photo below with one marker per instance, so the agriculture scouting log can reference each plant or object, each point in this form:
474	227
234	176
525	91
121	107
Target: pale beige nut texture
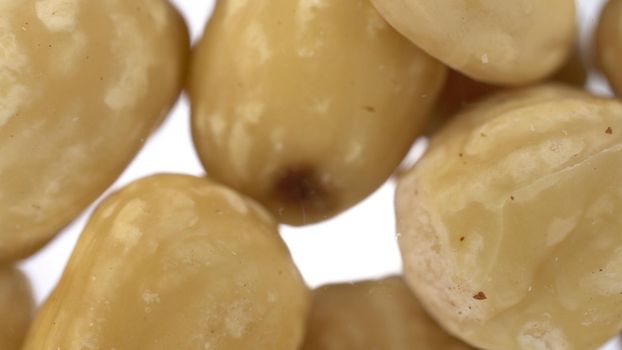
509	226
307	106
16	307
371	315
82	84
176	262
609	43
507	42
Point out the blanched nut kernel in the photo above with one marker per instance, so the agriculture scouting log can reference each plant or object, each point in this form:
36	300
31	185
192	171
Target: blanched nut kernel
176	262
381	314
307	106
82	84
609	43
461	91
509	226
16	306
496	41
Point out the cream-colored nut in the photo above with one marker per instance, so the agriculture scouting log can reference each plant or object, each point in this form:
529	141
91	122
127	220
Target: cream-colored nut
509	226
82	84
609	43
508	42
16	307
176	262
381	314
307	106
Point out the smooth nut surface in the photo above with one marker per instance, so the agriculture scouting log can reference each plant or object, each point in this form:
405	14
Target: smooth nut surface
307	106
609	43
382	314
176	262
496	41
82	84
509	226
16	307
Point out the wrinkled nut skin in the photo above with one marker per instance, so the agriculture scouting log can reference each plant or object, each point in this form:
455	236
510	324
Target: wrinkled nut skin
461	91
307	106
16	307
381	314
176	262
82	84
609	44
509	225
500	42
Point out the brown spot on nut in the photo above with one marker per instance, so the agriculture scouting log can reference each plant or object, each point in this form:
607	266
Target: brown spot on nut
301	185
609	131
480	296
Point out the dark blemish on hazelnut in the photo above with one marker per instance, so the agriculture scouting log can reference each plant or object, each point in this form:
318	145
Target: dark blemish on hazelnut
512	197
301	185
609	131
480	296
462	239
483	135
369	109
460	155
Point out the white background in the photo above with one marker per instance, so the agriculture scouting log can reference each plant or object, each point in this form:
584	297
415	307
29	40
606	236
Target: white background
359	244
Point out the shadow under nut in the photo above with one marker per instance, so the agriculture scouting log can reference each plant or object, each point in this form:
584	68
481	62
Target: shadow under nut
609	44
16	308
